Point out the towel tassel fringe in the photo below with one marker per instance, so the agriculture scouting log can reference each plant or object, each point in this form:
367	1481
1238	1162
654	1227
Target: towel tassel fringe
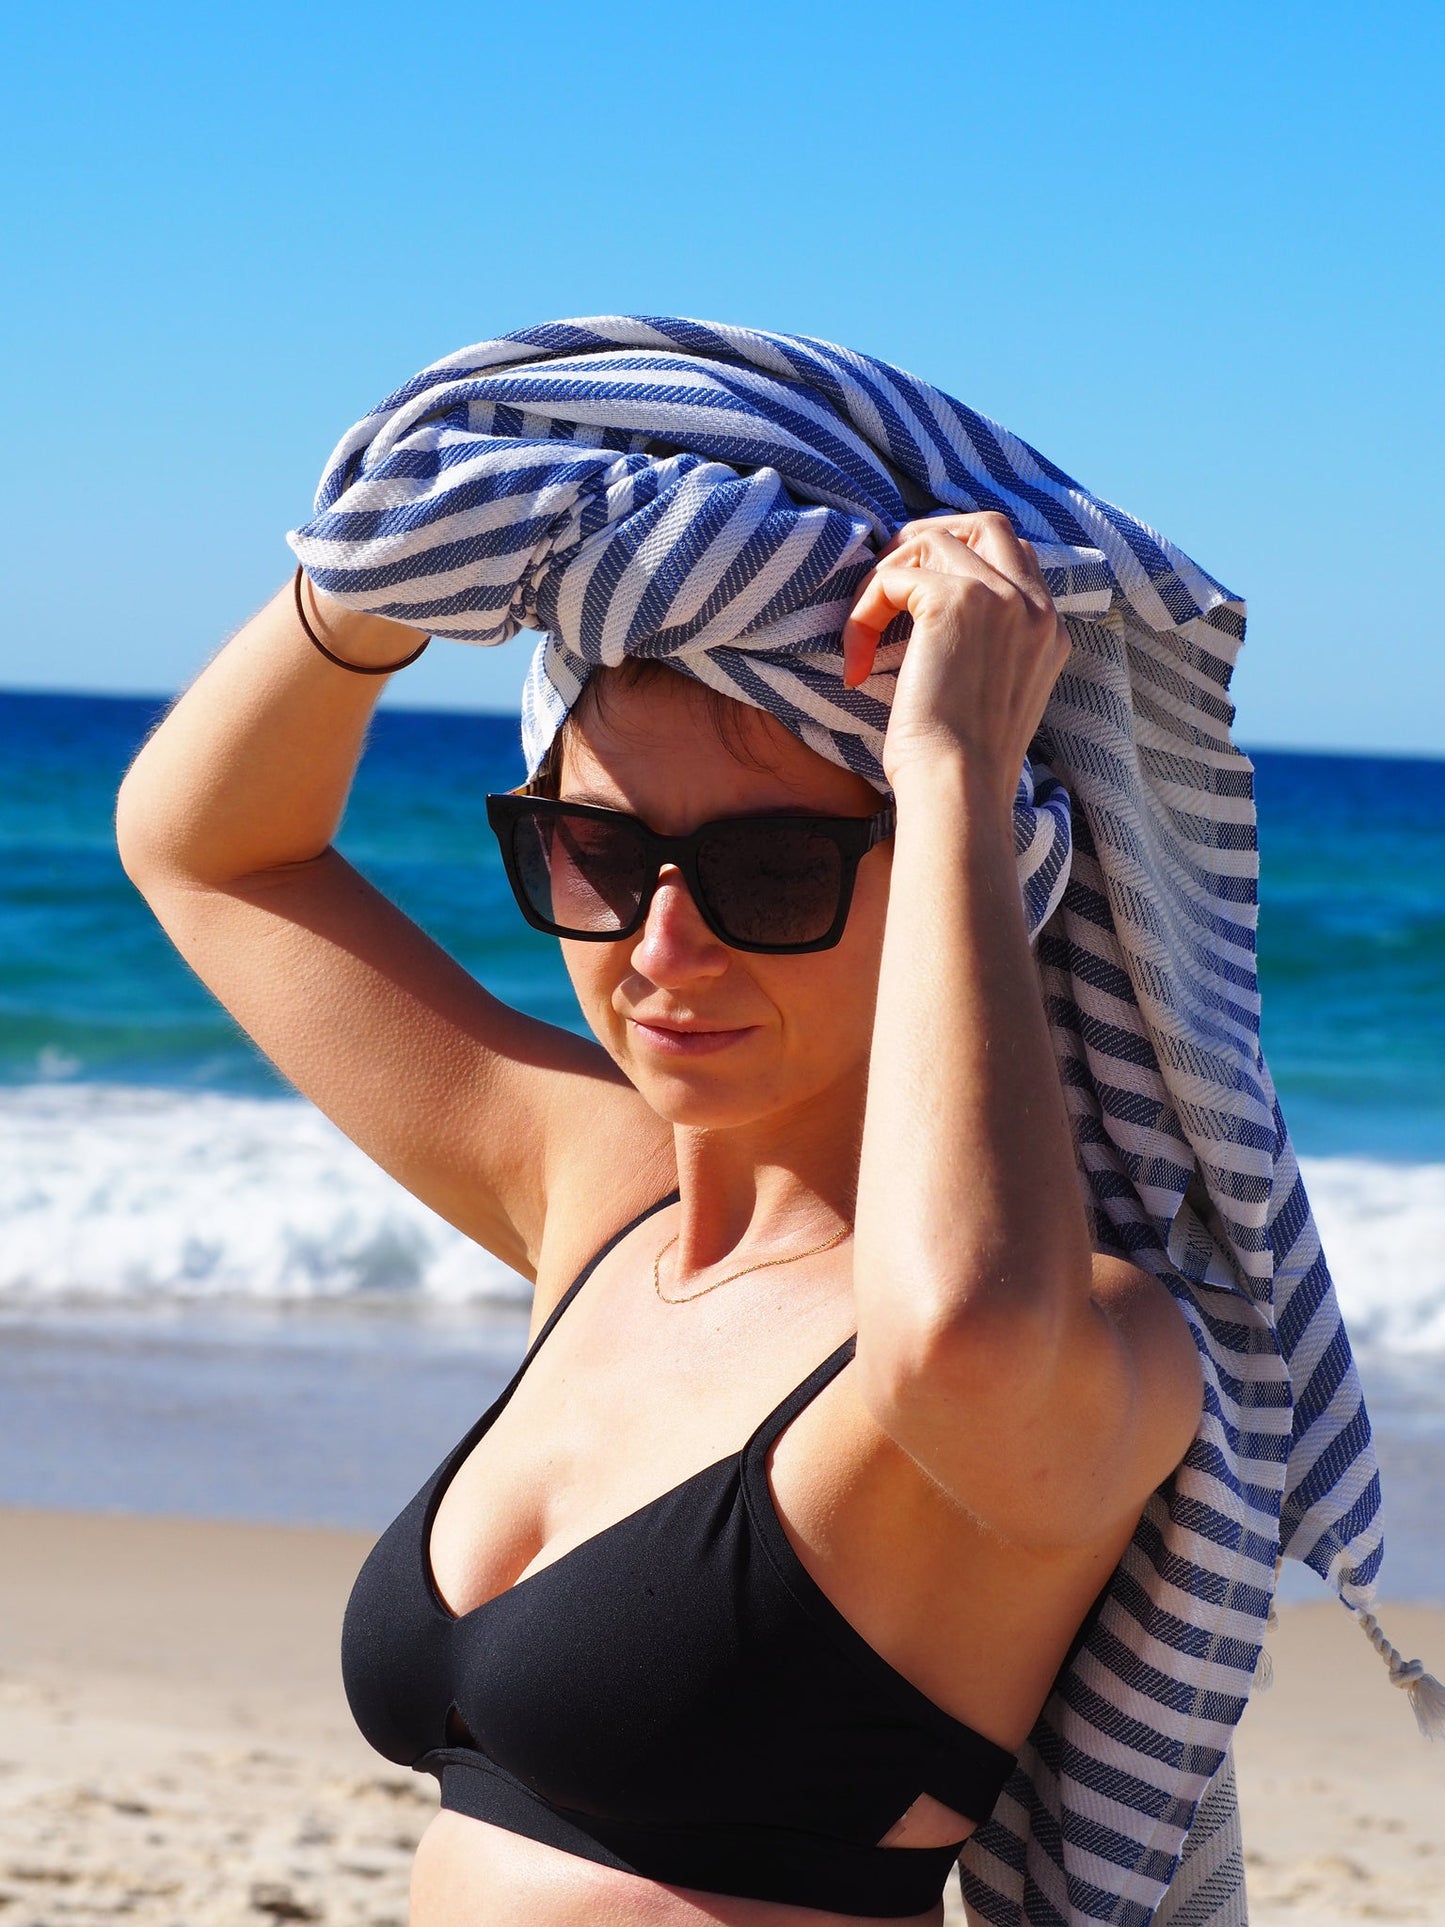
1264	1665
1424	1692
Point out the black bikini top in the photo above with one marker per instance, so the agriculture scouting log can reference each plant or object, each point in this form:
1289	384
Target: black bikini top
676	1697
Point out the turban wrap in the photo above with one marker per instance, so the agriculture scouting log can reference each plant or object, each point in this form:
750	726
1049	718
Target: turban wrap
712	497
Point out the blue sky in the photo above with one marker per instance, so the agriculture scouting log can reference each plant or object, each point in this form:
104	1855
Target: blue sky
1193	254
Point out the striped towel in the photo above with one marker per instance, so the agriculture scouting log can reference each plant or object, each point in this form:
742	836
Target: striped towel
713	496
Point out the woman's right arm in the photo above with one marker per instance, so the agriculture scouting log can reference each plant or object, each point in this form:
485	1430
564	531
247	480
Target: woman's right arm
224	824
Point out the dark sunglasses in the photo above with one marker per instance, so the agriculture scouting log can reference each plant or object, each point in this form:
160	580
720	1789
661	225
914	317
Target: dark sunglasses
780	884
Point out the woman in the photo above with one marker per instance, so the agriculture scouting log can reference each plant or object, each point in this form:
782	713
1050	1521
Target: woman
810	1111
739	1603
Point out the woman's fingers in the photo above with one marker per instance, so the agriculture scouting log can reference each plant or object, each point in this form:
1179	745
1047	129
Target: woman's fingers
922	559
887	592
860	648
885	597
987	534
904	568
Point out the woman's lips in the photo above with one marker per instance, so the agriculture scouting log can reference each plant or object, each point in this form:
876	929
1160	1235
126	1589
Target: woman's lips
688	1043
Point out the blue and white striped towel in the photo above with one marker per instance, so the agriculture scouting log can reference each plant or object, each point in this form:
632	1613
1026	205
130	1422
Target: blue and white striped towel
649	485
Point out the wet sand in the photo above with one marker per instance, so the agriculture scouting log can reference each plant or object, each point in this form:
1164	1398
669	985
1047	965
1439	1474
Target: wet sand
176	1751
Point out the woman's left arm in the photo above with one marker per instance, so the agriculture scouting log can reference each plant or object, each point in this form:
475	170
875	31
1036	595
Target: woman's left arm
1048	1388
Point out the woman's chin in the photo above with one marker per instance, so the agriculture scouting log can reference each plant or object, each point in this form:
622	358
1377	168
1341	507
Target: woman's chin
677	1099
703	1090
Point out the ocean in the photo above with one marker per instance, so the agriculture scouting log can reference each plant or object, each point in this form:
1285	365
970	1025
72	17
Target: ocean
212	1304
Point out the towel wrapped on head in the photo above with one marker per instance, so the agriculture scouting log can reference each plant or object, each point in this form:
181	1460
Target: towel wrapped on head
712	496
708	497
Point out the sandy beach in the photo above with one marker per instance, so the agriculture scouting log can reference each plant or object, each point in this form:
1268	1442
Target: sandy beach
175	1748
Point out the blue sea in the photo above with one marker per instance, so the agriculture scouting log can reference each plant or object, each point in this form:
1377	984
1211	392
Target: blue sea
189	1250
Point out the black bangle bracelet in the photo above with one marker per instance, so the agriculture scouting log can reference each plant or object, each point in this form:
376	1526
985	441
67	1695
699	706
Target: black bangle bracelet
356	668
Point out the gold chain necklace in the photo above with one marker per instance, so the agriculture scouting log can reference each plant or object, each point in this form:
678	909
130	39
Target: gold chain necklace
761	1265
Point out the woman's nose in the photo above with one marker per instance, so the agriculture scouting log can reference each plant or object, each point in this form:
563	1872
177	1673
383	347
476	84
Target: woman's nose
674	942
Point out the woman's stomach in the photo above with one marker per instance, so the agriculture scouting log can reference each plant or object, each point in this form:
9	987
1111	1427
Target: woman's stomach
469	1873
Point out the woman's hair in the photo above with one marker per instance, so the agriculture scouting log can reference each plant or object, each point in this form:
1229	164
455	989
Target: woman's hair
733	721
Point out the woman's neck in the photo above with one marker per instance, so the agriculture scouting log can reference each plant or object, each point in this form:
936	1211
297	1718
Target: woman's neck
769	1187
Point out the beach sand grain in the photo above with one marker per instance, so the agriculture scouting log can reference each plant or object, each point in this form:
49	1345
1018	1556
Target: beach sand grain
176	1749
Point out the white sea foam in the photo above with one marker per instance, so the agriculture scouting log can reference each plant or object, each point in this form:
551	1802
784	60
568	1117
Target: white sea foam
141	1195
1383	1230
124	1194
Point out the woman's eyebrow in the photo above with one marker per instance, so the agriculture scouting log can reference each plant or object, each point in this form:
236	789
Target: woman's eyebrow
595	802
768	809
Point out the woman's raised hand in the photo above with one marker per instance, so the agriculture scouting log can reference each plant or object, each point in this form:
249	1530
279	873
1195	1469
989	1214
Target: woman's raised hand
986	649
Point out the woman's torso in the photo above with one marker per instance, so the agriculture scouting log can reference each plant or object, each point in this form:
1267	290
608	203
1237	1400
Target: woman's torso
630	1399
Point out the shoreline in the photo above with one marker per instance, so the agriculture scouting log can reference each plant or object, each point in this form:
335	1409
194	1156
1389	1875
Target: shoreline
176	1747
332	1414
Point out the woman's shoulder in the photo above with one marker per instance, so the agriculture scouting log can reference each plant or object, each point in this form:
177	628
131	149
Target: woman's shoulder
609	1162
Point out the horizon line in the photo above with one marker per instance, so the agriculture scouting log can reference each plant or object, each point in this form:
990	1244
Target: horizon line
1405	755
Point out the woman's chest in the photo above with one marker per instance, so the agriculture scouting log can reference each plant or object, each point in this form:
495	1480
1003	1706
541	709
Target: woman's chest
612	1414
723	1543
635	1464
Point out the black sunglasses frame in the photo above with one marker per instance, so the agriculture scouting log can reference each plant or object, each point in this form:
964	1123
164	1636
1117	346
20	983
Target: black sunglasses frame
853	836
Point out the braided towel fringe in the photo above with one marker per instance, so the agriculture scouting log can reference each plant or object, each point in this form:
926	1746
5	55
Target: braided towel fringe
712	495
1424	1692
1264	1671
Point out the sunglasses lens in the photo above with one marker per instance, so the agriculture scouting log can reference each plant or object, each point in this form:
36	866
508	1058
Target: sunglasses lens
768	884
765	884
578	871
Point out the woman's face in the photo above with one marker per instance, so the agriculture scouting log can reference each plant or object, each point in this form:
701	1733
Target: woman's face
803	1023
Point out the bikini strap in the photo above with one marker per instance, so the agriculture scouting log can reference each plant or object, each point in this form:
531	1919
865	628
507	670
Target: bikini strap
587	1270
783	1414
430	1495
